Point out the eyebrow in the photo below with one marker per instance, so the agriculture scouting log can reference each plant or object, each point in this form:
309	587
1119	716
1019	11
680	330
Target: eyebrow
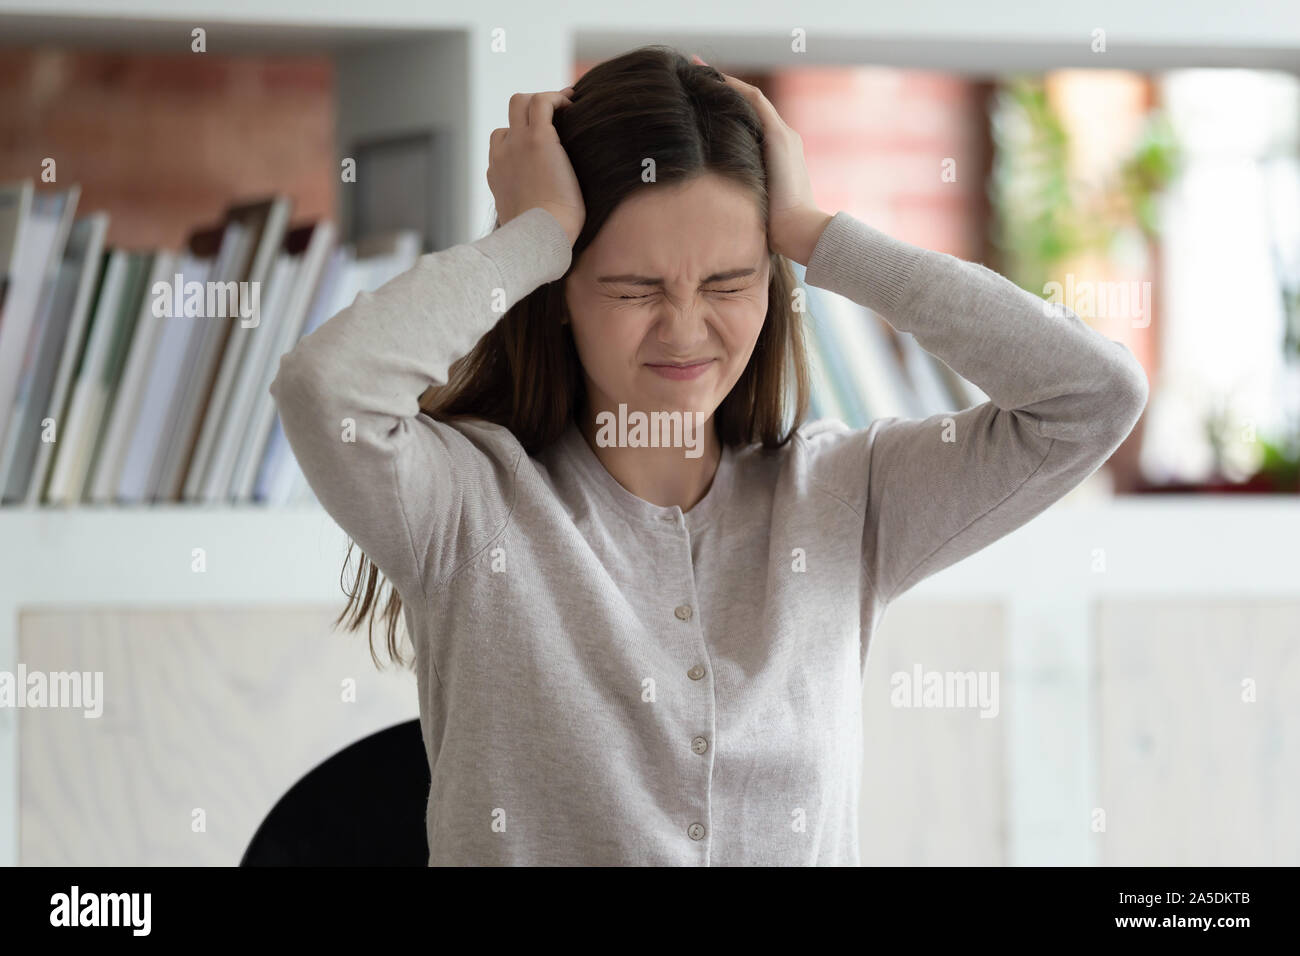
652	280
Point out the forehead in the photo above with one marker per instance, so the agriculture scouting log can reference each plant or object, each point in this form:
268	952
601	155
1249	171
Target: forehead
701	226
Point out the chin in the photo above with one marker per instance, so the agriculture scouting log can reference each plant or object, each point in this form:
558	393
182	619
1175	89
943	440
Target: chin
674	398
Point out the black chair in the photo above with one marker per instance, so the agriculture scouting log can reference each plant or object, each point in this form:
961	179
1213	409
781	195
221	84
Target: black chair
364	806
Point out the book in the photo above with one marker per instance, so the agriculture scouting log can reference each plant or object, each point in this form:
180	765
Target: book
224	345
52	354
73	346
126	406
15	206
148	434
842	397
39	250
278	289
136	298
78	437
225	251
311	245
117	371
825	396
875	363
277	463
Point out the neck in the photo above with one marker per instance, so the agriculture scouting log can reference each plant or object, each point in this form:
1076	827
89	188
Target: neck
661	476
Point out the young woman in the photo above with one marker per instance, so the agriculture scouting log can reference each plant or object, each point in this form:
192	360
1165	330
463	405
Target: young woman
640	655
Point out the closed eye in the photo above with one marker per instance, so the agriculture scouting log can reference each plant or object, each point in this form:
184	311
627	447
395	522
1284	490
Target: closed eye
714	291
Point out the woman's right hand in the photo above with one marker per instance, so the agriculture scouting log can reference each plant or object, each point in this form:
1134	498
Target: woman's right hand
528	167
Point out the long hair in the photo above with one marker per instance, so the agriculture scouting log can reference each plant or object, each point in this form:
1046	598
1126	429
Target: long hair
525	373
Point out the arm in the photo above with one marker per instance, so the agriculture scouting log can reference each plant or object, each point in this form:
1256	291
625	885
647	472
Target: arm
409	490
1062	397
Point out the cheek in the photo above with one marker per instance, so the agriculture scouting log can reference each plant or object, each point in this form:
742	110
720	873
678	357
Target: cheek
606	340
740	324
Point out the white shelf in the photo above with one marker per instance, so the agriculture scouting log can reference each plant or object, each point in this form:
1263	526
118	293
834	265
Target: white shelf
1155	548
129	555
1229	544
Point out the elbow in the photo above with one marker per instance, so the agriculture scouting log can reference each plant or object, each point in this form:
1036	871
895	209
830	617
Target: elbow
1135	389
310	374
301	396
1127	395
288	384
297	378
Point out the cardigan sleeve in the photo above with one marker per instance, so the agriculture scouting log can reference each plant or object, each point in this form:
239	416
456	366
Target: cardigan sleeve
411	491
1061	398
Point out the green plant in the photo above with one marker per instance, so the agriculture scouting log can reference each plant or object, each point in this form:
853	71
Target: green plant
1281	465
1043	216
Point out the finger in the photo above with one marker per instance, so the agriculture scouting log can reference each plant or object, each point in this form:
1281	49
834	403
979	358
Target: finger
519	110
541	108
740	86
756	97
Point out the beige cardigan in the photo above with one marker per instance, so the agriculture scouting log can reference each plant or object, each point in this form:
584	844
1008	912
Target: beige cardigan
607	681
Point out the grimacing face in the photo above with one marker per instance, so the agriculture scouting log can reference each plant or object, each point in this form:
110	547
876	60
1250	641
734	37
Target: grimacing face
667	302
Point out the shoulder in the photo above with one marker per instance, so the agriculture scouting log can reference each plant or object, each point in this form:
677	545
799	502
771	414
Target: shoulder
478	458
472	436
824	456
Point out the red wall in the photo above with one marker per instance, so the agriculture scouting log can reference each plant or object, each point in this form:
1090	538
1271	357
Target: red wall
164	142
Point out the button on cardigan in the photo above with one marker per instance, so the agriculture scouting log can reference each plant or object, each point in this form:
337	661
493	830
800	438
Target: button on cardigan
607	681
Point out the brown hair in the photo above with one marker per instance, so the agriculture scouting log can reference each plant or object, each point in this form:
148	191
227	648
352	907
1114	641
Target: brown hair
525	374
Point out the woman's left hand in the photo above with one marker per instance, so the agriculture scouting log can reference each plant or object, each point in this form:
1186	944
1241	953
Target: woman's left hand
794	220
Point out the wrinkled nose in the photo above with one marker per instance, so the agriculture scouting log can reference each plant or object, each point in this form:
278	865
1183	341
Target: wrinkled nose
682	327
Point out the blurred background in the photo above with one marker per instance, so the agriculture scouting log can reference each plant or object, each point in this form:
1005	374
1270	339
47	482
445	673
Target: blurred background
1142	166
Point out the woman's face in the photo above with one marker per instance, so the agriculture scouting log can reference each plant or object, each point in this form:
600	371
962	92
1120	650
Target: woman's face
668	300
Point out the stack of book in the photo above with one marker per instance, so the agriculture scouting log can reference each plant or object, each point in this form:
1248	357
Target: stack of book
144	376
862	368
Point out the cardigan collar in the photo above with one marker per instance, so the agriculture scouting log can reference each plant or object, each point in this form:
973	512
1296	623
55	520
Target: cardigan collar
594	473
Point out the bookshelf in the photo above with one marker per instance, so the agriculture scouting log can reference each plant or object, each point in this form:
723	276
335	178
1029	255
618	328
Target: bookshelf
394	78
403	67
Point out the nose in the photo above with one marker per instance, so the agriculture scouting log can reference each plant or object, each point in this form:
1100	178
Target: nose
683	328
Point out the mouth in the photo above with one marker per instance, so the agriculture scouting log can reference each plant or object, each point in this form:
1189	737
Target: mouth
680	371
